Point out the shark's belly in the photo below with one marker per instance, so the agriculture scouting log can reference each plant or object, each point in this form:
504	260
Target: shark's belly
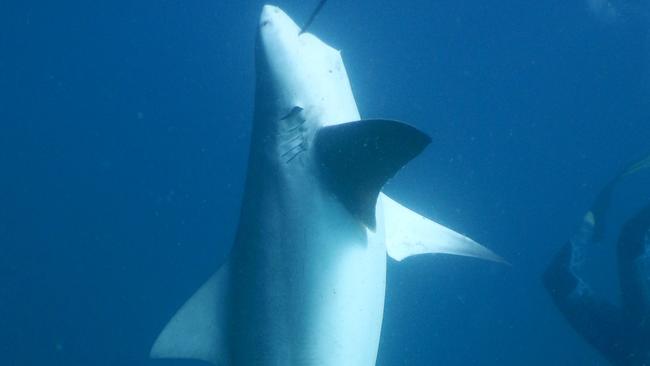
312	294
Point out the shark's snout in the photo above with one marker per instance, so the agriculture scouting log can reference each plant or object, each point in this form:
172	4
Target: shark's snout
274	20
274	16
268	14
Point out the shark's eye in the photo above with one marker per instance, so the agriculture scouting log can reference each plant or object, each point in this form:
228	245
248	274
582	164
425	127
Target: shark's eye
294	112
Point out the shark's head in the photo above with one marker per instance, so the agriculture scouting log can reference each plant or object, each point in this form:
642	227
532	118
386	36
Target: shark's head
298	72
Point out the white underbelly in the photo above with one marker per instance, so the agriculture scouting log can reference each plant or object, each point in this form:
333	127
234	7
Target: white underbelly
312	295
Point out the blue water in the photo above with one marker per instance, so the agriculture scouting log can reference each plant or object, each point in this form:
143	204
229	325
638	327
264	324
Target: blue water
124	131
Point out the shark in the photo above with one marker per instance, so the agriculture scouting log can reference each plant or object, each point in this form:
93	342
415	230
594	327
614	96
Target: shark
305	281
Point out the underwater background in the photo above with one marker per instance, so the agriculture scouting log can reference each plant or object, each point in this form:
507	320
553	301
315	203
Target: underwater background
124	133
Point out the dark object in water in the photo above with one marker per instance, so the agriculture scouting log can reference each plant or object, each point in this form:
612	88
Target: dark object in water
313	16
621	333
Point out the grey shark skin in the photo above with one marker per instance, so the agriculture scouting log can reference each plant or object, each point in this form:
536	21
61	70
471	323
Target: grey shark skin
305	282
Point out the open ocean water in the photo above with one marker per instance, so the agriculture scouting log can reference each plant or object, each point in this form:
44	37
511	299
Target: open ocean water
124	134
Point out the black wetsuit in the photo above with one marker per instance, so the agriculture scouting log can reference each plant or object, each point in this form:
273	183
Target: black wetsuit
621	334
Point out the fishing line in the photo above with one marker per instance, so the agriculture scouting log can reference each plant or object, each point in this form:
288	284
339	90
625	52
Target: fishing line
313	16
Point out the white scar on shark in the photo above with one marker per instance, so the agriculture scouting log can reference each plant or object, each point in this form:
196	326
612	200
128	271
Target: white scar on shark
305	281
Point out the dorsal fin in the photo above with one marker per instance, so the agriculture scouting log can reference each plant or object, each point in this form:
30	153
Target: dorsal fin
357	158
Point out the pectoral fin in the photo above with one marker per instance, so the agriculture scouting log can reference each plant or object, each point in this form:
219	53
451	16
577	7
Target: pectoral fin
197	329
409	233
357	158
